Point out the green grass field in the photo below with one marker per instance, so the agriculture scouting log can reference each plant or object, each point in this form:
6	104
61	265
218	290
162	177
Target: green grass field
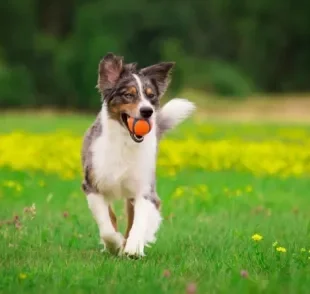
210	216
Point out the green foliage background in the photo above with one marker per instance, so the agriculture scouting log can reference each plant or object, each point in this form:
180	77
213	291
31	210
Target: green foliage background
49	50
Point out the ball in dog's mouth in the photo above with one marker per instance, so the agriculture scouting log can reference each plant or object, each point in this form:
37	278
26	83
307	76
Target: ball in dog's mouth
134	137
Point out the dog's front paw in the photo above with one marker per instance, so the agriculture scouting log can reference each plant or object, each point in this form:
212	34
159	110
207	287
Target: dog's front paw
113	242
134	247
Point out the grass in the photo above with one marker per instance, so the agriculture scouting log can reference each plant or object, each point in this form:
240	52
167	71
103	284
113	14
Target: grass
205	238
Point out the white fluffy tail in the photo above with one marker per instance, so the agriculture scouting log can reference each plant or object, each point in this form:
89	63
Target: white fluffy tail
173	113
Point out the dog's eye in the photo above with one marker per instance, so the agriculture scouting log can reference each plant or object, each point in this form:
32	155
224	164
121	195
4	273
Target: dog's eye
151	95
128	96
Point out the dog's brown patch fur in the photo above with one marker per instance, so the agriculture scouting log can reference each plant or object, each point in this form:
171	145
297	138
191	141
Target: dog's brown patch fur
149	91
113	218
130	216
129	108
132	90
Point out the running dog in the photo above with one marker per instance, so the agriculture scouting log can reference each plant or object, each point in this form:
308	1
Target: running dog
117	164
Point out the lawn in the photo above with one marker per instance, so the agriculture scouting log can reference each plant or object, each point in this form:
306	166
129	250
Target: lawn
235	204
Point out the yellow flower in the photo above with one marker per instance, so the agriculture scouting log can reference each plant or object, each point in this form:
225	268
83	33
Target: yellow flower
22	151
303	250
179	192
249	189
281	249
257	237
274	244
13	185
22	276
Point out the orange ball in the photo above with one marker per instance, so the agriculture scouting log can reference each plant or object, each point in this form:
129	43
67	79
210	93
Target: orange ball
139	127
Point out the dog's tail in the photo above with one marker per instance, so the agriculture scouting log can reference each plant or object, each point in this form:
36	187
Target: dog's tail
173	113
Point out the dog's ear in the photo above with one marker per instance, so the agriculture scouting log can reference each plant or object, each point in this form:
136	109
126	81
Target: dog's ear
160	73
109	71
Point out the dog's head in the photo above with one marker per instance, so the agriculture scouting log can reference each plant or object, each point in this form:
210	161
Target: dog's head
129	92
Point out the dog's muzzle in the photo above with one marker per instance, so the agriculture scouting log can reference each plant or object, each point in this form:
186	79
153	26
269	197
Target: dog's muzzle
134	137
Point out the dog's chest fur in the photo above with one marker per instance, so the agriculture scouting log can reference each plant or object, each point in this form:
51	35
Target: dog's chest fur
122	167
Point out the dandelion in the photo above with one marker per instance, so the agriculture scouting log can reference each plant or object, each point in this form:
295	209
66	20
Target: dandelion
22	276
178	192
257	237
19	188
13	185
248	189
9	184
281	249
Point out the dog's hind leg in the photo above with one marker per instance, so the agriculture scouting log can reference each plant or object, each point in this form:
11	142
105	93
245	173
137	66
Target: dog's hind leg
106	222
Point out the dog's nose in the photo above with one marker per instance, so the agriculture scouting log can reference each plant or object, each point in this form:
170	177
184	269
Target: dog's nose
146	111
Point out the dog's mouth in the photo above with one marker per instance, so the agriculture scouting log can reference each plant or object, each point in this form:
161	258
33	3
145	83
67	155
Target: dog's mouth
134	137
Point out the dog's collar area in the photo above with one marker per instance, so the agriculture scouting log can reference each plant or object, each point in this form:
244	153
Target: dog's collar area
134	137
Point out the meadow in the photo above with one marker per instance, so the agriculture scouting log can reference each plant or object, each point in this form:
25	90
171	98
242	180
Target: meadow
235	202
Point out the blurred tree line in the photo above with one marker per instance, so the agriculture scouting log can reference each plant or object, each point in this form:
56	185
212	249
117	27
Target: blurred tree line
49	50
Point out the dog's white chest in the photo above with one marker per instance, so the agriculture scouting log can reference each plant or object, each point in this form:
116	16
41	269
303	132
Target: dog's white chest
123	168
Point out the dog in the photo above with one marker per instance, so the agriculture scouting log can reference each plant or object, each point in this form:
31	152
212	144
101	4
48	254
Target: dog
117	164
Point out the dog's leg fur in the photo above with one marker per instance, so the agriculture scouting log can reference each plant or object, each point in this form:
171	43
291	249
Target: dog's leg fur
113	218
130	216
135	241
146	222
153	223
112	239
